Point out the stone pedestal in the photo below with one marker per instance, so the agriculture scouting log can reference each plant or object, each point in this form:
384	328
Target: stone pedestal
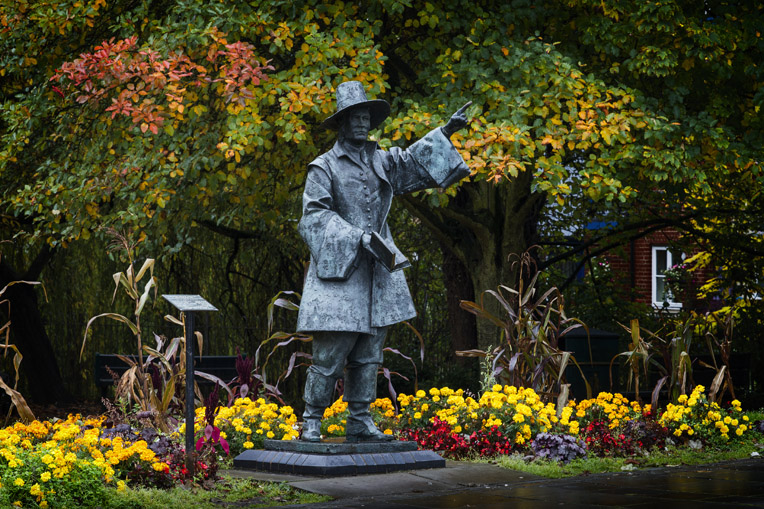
335	457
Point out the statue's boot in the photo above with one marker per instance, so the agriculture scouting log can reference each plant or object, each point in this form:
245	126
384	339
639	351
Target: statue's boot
318	395
361	427
360	391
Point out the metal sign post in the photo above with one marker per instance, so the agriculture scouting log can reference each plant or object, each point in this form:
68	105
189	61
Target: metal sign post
188	305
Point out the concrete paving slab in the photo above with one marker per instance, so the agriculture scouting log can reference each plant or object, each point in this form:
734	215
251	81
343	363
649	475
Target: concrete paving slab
462	484
368	486
475	474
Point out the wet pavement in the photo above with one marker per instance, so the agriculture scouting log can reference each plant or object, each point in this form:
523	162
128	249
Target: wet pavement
462	484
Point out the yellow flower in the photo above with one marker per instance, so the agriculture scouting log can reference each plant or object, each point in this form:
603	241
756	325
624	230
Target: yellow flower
45	476
248	445
417	415
270	434
160	466
121	486
19	481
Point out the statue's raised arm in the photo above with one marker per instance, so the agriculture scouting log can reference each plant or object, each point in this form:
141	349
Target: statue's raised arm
457	122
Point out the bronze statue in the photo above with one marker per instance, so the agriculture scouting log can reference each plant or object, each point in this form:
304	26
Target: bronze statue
354	289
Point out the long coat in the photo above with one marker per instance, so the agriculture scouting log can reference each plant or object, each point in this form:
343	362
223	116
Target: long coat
344	289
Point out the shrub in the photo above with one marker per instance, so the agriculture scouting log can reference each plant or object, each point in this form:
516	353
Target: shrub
440	437
602	441
696	418
556	447
247	423
614	409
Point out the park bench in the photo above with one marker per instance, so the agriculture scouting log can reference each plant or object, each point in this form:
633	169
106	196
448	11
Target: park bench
222	366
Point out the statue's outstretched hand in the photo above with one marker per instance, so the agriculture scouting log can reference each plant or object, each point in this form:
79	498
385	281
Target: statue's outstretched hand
457	121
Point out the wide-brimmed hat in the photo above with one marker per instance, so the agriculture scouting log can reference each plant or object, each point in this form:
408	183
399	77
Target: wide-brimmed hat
351	94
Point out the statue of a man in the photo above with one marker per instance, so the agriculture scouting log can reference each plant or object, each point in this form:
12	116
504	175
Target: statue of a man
353	290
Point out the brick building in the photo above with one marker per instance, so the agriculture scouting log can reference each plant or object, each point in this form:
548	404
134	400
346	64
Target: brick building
645	261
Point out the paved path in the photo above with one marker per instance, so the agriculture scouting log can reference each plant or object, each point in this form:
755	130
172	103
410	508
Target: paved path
461	484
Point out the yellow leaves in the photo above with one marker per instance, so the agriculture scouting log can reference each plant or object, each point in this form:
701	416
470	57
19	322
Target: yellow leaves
555	143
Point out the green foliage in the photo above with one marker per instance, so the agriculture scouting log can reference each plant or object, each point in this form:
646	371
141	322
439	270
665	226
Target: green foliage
651	110
671	456
216	105
231	491
82	487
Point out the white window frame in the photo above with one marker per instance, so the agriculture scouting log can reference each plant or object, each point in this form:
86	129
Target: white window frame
654	276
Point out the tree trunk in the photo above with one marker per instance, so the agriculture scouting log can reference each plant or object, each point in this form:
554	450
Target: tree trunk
38	367
483	225
461	323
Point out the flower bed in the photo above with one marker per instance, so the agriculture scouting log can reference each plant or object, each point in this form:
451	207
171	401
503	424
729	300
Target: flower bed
246	423
507	419
66	463
72	462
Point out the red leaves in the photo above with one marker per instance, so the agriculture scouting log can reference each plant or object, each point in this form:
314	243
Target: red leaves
140	82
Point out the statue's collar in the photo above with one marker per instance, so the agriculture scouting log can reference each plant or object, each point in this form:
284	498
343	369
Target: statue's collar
341	149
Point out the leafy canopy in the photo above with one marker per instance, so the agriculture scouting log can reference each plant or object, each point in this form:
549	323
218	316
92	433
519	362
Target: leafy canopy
162	115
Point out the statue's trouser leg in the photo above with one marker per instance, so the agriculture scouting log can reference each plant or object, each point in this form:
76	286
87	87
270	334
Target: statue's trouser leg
361	385
330	351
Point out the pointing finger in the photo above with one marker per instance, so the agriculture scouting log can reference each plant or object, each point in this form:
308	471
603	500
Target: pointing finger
461	110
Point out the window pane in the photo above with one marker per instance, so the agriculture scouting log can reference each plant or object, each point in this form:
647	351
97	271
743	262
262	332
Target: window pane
660	289
661	261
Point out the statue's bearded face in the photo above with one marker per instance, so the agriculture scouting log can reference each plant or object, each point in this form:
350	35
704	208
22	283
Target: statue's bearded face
356	125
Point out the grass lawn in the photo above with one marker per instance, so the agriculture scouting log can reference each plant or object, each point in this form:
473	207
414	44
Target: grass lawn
670	457
231	492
